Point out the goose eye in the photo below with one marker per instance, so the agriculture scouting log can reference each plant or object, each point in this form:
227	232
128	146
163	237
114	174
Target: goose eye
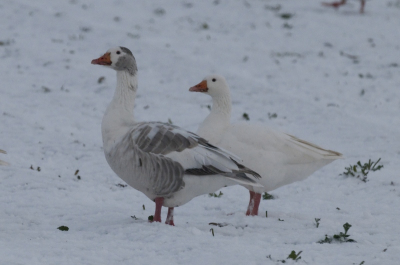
118	52
214	79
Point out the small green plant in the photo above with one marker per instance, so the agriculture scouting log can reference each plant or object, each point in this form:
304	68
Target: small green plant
46	89
341	237
6	42
275	8
38	168
212	231
63	228
159	11
287	26
215	195
150	218
272	115
101	79
170	121
317	221
361	171
267	196
286	15
144	208
219	224
246	116
76	174
294	256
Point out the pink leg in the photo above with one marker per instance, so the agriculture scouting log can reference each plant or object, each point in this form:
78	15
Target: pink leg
362	6
256	199
170	216
251	203
157	215
335	4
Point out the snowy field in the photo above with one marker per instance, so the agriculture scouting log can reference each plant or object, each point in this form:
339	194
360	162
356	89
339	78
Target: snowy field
332	77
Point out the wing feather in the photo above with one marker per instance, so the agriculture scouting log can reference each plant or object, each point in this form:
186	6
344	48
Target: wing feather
162	154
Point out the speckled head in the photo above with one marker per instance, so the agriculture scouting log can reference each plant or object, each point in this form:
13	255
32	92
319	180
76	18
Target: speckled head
119	59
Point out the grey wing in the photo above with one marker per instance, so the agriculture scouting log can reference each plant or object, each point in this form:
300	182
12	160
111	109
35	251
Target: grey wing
151	173
176	146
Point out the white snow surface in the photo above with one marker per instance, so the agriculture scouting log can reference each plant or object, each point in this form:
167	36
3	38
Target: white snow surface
331	76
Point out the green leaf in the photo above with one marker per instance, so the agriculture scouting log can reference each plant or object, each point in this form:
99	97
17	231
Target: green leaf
317	221
341	237
63	228
294	256
267	196
215	195
346	227
364	169
286	15
376	162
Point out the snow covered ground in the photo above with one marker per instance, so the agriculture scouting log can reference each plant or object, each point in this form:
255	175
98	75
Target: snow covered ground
331	76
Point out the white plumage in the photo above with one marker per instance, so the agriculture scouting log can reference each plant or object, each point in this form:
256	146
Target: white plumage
278	157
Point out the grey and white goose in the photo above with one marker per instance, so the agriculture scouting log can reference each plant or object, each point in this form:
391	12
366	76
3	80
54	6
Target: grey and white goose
3	163
168	164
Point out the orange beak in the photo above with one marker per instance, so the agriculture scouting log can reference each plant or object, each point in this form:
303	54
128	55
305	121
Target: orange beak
103	60
200	87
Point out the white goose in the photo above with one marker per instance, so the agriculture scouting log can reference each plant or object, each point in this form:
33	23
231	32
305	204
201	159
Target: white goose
168	164
280	158
3	163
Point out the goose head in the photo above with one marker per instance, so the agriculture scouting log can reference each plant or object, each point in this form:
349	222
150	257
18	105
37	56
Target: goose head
119	59
213	85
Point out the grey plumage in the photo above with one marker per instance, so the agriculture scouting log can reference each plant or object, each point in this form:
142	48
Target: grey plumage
126	63
163	138
148	171
144	152
126	50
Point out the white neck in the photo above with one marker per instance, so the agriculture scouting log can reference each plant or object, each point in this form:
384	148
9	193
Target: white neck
218	120
118	117
125	93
